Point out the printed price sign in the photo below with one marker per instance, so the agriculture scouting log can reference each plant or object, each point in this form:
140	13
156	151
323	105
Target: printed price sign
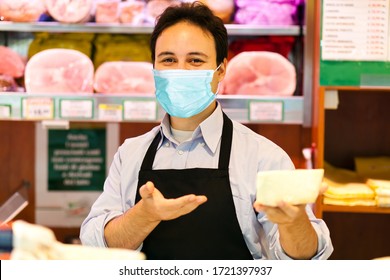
37	108
140	110
76	108
266	111
110	112
5	111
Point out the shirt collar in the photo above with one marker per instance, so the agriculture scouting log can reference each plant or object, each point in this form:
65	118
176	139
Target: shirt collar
210	129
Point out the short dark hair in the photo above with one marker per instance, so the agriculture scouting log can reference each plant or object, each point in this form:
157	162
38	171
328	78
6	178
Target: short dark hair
198	14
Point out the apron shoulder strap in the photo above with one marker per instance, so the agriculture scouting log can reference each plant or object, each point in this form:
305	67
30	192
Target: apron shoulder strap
226	143
147	163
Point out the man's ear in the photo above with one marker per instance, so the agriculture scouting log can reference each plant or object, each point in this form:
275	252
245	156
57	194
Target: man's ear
222	70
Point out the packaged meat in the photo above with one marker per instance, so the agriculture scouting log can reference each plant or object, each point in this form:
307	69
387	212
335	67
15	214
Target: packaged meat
259	73
70	11
107	11
132	12
124	77
59	71
7	83
266	12
11	63
221	8
155	7
21	10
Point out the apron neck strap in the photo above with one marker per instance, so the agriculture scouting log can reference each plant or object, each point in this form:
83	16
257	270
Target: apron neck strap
224	155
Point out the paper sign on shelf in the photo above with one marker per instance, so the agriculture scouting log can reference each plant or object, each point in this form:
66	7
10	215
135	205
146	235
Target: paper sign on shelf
37	108
355	30
5	111
76	108
266	111
110	112
140	110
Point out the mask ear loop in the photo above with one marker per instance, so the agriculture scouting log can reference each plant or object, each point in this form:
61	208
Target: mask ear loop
216	69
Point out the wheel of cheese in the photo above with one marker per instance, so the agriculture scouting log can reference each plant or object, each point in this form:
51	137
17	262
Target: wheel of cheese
59	71
259	73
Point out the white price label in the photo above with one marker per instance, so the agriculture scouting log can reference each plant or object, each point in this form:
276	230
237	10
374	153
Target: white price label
110	112
5	111
70	109
140	110
38	108
266	111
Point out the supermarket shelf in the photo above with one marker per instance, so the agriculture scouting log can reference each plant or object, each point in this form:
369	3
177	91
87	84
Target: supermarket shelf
273	109
356	209
56	27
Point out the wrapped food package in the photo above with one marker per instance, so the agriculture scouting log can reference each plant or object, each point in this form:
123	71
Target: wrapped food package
76	41
221	8
279	44
155	7
107	11
259	73
21	10
132	12
11	63
7	83
59	71
266	12
118	47
70	11
124	77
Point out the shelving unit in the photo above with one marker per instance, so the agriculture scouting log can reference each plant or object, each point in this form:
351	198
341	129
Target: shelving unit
357	125
290	128
236	107
56	27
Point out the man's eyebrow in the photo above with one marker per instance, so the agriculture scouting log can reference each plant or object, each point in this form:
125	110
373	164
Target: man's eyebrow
198	53
165	53
191	53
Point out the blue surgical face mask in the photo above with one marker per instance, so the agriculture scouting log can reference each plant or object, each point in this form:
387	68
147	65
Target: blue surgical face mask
184	93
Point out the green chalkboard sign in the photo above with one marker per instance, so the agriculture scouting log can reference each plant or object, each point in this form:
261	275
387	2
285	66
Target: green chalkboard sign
77	160
354	39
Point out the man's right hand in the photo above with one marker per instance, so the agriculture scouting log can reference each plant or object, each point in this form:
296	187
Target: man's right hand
157	208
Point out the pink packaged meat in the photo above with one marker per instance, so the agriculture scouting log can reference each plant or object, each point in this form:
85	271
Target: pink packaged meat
107	11
70	11
259	73
124	77
11	63
59	71
21	10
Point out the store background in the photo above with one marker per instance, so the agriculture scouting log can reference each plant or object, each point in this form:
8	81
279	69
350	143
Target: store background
336	136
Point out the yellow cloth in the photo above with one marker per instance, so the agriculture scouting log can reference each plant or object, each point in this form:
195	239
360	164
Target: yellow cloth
350	190
373	167
350	202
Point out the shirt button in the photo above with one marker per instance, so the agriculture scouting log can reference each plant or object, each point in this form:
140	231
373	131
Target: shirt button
167	144
180	152
202	144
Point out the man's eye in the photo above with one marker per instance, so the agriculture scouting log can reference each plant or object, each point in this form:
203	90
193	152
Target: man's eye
196	61
168	60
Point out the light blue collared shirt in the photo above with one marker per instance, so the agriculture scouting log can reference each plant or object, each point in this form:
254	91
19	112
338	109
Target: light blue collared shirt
250	154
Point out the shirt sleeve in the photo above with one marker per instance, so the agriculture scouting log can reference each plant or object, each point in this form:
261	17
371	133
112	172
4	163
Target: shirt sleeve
270	230
105	208
325	247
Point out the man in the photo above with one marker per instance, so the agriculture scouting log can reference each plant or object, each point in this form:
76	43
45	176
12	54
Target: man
187	188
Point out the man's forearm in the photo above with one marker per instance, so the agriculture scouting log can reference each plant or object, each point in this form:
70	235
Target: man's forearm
299	240
130	229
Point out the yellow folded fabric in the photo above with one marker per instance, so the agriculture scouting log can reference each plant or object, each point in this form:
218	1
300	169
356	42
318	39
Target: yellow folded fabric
383	201
373	167
350	202
376	183
349	191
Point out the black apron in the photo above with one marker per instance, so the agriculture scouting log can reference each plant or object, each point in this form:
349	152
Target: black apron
212	230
